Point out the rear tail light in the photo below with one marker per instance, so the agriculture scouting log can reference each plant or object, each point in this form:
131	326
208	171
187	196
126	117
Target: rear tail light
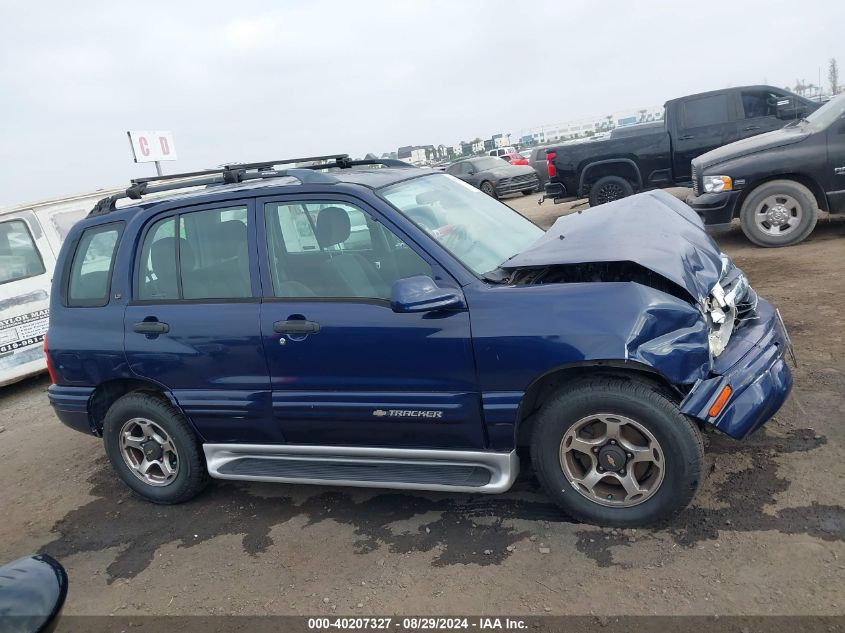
49	362
550	164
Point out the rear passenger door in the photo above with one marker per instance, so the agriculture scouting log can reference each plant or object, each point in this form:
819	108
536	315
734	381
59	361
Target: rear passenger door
345	368
703	123
193	322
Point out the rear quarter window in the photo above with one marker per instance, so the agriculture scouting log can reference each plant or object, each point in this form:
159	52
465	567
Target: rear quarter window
89	281
705	111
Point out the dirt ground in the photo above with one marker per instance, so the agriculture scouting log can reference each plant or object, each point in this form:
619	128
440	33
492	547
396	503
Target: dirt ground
766	534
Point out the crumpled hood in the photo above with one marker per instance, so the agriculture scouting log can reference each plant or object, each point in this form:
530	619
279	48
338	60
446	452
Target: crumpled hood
751	145
653	229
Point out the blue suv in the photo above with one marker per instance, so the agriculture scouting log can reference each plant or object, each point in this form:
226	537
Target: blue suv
367	323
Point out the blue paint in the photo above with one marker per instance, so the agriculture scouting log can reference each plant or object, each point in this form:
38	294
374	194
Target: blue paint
468	360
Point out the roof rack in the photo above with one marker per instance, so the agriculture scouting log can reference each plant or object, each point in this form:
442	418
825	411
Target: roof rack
240	172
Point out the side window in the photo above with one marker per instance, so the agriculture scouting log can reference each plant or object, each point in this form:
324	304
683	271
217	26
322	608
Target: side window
90	271
158	279
19	257
706	111
759	103
334	249
209	260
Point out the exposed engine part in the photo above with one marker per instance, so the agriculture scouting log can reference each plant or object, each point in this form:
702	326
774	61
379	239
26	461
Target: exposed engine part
592	272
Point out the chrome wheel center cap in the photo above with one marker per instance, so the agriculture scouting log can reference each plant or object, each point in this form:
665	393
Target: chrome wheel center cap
777	215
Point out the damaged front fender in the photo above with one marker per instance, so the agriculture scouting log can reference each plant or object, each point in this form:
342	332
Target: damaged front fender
545	326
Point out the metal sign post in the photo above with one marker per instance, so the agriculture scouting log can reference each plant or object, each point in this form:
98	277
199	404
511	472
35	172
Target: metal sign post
152	147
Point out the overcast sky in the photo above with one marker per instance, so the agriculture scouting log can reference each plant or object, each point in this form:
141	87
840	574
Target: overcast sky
298	78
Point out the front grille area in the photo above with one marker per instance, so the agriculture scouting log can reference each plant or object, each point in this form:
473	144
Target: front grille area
694	181
524	178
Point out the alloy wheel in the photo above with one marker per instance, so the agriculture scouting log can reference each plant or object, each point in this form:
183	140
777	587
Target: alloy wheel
612	460
149	452
778	215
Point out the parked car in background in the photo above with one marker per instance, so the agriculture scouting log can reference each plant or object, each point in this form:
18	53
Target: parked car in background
514	159
775	182
30	237
537	161
235	333
501	151
619	166
495	176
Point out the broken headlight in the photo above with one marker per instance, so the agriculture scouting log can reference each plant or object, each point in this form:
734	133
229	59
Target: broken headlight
731	302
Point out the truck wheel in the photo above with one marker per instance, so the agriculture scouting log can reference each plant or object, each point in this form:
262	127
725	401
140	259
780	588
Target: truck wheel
778	213
616	452
608	189
154	450
528	192
488	188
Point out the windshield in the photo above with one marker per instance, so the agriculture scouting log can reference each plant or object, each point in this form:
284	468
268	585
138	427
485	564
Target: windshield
478	230
491	162
828	113
19	258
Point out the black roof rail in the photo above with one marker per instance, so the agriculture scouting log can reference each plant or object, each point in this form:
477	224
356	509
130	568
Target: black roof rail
235	173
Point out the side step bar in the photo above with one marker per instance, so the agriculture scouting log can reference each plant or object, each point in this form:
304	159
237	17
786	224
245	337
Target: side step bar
370	467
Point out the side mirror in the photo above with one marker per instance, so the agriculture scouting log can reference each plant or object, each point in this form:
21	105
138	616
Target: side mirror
788	108
421	294
32	592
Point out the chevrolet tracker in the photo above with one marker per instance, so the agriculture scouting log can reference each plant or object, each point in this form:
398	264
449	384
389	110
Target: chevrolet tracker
367	323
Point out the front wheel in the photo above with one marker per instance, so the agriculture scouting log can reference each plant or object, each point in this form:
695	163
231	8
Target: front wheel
617	452
154	450
608	189
488	188
778	213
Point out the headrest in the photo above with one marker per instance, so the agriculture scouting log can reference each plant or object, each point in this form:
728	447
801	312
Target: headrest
163	256
333	226
229	238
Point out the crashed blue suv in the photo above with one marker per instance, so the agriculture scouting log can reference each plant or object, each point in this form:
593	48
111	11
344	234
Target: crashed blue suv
367	323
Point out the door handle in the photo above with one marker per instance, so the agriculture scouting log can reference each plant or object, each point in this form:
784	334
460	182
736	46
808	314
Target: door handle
686	137
151	327
750	128
296	326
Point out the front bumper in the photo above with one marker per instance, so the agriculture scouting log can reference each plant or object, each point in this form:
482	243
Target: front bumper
505	188
715	209
754	365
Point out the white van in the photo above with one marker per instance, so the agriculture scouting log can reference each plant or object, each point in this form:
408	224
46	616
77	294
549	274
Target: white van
30	236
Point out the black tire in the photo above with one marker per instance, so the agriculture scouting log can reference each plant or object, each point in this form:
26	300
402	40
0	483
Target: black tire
528	192
679	439
488	188
786	189
608	189
191	475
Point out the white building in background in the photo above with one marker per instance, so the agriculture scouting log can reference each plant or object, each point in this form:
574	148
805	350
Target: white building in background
590	126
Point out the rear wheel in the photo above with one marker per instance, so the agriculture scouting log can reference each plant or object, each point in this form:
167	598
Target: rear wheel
608	189
488	188
778	213
528	192
154	450
616	451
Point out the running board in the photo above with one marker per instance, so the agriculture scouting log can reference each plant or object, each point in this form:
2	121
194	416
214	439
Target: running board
370	467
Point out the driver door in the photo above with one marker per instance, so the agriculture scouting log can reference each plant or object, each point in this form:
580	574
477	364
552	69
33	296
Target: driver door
345	368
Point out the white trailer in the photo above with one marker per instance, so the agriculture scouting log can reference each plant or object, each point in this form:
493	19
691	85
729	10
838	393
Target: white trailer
30	237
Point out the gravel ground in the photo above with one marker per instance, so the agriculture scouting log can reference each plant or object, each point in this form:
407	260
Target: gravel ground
766	534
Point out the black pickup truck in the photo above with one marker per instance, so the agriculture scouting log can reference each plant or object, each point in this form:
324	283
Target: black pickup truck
775	182
610	169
